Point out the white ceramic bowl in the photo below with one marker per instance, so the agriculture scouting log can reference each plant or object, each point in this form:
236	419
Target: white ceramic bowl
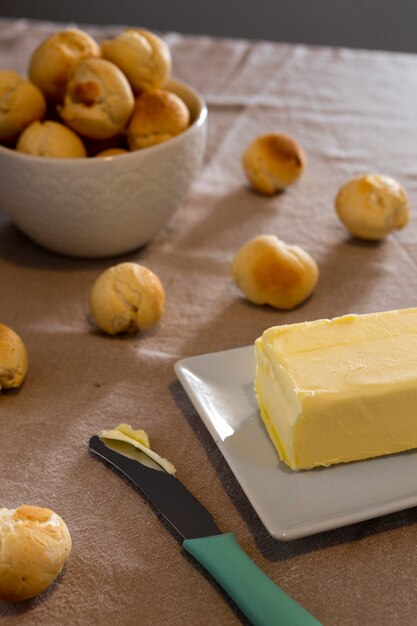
99	207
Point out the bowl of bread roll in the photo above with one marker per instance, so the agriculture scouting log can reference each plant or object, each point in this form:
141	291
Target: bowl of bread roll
98	144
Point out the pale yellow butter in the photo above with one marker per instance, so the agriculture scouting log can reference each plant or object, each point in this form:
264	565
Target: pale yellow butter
332	391
137	439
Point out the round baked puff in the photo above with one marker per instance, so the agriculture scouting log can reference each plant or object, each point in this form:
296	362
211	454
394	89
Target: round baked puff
13	358
143	57
51	139
158	116
269	271
272	162
21	103
371	206
127	297
98	100
34	546
54	60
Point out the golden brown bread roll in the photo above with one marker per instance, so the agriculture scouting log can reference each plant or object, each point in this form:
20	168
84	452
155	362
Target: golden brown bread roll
272	162
94	146
98	101
13	359
21	103
127	297
55	59
34	546
269	271
111	152
371	206
143	57
50	139
158	116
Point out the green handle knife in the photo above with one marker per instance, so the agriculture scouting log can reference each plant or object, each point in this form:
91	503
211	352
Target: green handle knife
258	597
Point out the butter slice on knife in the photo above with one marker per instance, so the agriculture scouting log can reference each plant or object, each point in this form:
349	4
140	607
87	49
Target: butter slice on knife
138	439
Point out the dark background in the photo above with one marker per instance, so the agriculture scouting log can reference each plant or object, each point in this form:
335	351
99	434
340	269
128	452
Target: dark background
375	24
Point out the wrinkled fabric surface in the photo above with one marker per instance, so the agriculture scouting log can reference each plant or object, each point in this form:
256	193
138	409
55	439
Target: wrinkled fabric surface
353	112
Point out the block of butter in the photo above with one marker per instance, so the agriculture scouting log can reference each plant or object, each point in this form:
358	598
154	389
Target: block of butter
332	391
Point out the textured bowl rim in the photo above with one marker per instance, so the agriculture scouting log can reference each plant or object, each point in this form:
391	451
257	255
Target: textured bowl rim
199	121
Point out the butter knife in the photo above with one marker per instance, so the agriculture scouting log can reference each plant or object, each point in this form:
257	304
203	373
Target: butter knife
257	596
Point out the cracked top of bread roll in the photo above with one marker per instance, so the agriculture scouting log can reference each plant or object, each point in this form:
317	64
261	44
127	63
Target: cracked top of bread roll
269	271
158	116
127	297
98	101
21	103
50	139
13	359
54	60
143	57
34	546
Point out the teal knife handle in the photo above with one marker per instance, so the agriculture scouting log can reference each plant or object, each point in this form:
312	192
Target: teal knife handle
258	597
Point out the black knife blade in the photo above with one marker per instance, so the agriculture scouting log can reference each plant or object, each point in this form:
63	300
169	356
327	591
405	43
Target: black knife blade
177	505
260	599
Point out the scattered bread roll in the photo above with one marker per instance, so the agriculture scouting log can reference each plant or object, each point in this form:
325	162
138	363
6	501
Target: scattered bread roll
371	206
143	57
98	101
272	162
34	546
269	271
127	297
21	103
158	116
50	139
55	59
13	359
111	152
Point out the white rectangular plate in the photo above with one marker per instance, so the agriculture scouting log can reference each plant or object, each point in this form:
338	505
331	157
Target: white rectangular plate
290	504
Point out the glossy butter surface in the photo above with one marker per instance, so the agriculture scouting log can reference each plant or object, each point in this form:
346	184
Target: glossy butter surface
332	391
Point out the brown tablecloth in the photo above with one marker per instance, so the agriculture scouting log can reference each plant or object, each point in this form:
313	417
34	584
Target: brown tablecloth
353	112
